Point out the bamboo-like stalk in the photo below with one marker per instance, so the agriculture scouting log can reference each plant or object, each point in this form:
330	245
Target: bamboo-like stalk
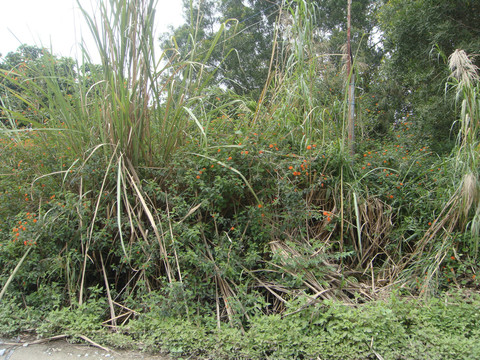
113	317
351	85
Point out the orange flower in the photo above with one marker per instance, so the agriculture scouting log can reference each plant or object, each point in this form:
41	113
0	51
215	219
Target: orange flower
290	167
270	146
229	158
198	176
309	147
260	206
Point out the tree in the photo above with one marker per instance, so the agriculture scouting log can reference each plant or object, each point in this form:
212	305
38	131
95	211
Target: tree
240	57
418	36
23	84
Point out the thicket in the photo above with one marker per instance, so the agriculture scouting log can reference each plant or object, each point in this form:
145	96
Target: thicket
138	196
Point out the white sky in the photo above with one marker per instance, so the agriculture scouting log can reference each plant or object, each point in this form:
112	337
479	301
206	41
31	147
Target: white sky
58	24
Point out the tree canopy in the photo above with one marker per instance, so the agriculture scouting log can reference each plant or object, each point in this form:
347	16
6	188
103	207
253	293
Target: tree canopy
418	36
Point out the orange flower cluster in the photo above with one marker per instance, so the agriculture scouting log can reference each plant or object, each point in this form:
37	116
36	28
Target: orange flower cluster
201	172
21	228
328	215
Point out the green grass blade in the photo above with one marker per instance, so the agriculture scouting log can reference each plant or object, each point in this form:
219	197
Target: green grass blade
119	205
14	272
359	229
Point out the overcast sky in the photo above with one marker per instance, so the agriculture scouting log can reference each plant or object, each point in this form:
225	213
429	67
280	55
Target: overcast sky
59	24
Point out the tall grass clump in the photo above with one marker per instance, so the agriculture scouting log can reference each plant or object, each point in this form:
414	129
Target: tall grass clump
124	38
454	234
296	76
140	112
465	81
99	127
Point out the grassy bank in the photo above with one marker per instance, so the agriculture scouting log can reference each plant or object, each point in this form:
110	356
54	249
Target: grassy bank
443	328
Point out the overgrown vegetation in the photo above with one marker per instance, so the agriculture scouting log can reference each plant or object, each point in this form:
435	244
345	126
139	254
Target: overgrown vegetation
140	202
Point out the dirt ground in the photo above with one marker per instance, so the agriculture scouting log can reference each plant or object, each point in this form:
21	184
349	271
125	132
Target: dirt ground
23	349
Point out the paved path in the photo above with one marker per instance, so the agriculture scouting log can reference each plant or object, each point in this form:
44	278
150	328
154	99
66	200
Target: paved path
62	350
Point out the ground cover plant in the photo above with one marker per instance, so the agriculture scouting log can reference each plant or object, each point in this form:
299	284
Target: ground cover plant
141	203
